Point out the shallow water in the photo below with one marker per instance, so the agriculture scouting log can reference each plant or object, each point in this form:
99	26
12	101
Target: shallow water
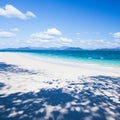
105	57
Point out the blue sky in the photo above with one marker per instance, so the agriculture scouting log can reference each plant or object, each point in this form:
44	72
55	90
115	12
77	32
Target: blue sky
87	24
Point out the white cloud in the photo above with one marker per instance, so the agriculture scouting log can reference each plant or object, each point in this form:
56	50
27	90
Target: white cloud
15	29
41	35
117	40
10	11
30	14
116	35
98	43
49	34
6	34
53	31
65	40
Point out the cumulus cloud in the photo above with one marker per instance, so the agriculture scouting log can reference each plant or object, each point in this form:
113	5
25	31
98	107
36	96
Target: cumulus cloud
98	43
41	35
49	34
53	31
10	11
116	35
50	37
30	14
65	39
6	34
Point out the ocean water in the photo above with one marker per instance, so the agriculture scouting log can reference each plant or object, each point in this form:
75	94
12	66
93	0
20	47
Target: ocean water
103	57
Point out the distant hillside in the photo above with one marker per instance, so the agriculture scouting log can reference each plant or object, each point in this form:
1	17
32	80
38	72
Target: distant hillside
42	48
108	49
56	48
73	48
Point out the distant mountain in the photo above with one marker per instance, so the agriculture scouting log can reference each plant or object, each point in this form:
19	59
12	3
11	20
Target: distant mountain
42	48
73	48
108	49
21	48
56	48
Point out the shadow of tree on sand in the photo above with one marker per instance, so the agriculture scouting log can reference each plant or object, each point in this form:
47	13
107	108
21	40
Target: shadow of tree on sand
88	98
90	103
4	67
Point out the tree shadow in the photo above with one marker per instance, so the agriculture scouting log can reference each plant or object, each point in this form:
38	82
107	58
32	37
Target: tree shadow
96	99
14	69
1	85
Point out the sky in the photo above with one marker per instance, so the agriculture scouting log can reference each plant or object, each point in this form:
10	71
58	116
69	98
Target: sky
88	24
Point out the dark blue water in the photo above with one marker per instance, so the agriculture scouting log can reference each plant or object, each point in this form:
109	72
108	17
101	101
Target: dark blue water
110	57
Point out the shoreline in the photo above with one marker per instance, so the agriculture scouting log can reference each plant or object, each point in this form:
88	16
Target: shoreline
89	61
71	60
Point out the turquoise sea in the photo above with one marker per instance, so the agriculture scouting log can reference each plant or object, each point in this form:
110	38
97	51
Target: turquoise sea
103	57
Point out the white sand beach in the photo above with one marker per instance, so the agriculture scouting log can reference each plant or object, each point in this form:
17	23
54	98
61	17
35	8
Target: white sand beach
25	73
